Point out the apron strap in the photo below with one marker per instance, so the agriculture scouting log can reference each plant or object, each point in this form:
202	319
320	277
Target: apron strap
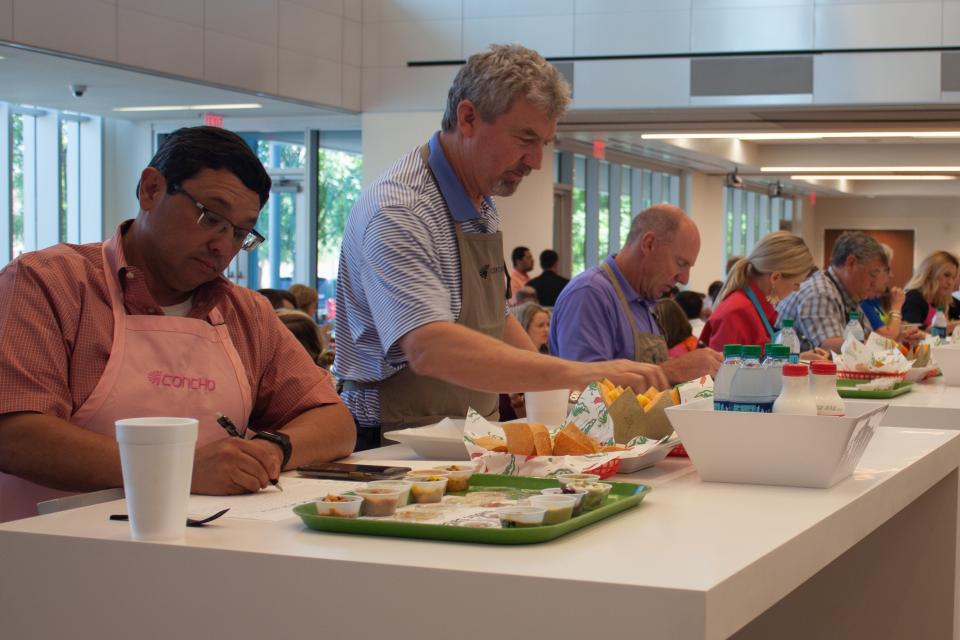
759	309
626	306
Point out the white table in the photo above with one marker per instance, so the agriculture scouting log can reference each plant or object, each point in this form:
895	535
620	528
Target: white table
930	404
872	557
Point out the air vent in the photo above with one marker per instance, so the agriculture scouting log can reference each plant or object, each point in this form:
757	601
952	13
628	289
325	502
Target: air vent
950	71
751	76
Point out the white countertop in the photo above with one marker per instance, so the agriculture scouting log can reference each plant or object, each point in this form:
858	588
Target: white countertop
697	559
929	404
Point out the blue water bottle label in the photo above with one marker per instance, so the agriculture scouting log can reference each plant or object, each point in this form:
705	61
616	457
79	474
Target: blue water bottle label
794	358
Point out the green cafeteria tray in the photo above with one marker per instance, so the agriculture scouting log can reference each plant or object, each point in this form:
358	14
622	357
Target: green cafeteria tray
848	390
622	496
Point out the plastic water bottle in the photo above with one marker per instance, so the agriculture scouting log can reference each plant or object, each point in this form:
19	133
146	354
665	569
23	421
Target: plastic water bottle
939	325
751	389
795	397
788	337
777	356
853	328
721	386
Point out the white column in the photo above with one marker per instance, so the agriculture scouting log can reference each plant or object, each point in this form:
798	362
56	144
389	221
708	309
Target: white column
704	204
91	180
6	185
48	180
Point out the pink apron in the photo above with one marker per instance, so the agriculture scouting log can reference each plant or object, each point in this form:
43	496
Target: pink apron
158	366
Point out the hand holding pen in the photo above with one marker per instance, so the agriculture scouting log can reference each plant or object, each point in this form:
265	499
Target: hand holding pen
233	432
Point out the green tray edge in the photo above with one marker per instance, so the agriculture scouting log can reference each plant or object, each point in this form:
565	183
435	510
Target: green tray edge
623	496
874	394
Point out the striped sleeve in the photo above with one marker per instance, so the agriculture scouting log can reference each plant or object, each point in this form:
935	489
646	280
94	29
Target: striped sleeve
403	281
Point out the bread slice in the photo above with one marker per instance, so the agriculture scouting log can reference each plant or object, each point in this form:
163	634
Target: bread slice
541	439
491	443
519	438
570	441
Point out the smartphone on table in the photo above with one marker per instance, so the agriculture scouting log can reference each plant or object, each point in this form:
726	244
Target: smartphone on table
354	472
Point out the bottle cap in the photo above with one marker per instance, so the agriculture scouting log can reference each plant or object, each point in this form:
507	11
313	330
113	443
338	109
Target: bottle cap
823	367
853	315
751	351
795	370
940	309
730	350
786	323
779	351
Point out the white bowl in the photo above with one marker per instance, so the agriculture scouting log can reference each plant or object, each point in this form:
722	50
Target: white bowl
776	449
947	358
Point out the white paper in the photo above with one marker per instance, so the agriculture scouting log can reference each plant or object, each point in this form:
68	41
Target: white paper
269	504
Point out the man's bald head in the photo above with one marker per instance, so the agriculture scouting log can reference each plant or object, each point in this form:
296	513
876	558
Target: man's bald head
663	220
661	248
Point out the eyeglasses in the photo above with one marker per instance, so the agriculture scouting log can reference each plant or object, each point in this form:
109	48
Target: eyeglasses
246	239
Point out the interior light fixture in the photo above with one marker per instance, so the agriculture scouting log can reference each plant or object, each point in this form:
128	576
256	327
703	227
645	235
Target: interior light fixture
837	176
797	135
194	107
859	169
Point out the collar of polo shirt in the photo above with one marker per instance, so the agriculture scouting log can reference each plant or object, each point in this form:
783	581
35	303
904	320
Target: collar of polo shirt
459	203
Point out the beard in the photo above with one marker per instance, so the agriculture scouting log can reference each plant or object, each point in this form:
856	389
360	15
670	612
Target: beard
504	187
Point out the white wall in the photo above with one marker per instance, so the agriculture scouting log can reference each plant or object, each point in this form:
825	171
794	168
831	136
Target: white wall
702	199
303	49
396	32
936	221
127	150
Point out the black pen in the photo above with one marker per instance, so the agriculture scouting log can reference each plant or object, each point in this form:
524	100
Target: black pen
231	430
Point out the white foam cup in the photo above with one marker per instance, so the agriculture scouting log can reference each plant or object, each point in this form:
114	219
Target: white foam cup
547	407
156	455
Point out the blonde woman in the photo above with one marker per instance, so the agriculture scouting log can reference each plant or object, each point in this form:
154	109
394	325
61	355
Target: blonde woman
744	312
931	287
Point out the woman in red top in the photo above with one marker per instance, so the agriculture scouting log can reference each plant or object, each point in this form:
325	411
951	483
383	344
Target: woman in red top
744	312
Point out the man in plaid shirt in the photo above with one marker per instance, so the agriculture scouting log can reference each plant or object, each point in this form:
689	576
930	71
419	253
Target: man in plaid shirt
819	309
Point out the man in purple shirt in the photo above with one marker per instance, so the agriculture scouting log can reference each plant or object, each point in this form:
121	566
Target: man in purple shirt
607	311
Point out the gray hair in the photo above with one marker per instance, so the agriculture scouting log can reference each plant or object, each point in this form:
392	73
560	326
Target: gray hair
859	245
662	219
493	79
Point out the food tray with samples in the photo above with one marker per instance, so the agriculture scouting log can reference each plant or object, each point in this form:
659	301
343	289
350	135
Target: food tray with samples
472	515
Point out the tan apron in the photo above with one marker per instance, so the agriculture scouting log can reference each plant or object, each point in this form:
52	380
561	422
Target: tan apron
411	400
646	346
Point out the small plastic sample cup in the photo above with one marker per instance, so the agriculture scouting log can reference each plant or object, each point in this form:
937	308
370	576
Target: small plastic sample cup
479	524
427	488
379	501
459	478
569	490
403	486
597	492
566	478
519	516
557	507
339	506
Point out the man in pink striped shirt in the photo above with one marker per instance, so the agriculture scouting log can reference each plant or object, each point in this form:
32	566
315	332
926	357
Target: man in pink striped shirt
145	324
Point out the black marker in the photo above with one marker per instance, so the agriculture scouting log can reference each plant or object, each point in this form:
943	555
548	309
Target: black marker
231	429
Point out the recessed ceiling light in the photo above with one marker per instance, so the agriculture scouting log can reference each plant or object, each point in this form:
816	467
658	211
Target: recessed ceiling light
193	107
859	169
825	135
837	176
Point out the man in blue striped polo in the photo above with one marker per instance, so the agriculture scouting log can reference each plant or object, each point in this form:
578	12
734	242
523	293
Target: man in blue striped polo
422	326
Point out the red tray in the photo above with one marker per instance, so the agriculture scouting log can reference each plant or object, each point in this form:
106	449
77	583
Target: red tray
868	375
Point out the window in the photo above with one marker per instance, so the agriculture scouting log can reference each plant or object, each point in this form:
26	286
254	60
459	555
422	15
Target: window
316	179
750	215
606	197
51	174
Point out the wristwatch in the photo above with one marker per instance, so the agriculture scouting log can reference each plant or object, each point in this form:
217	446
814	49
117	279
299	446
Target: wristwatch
282	440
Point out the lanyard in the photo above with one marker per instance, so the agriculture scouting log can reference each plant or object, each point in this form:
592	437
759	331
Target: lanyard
759	308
